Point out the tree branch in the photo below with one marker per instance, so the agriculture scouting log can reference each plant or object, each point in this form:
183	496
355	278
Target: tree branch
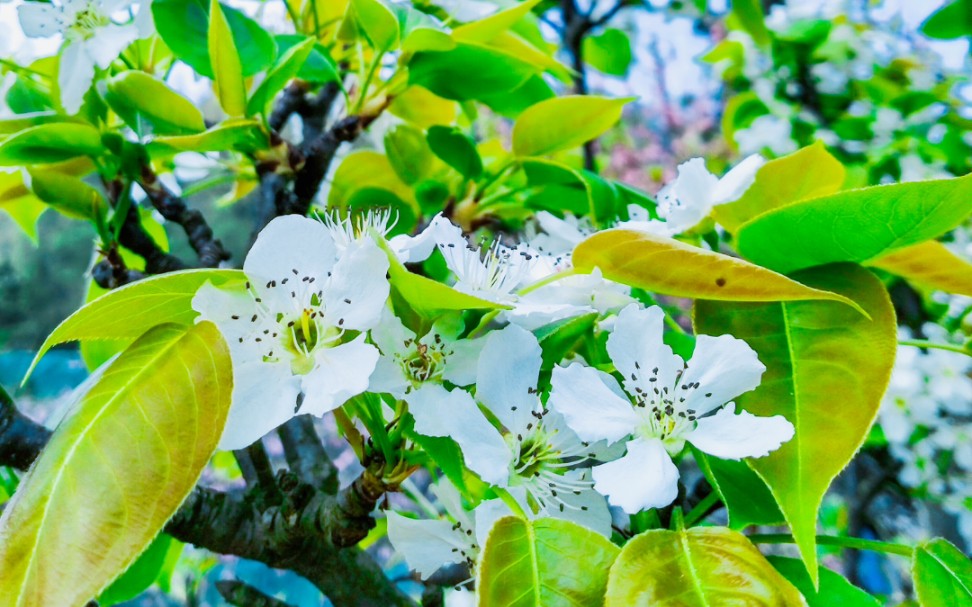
306	455
243	595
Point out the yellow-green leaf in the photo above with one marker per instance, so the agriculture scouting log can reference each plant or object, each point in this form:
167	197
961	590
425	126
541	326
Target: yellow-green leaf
929	264
225	60
245	136
67	194
698	567
670	267
806	173
116	469
277	78
856	225
488	28
826	370
943	575
143	100
543	563
563	123
50	143
127	312
378	22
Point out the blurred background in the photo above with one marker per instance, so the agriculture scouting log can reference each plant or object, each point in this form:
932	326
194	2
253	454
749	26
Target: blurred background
885	85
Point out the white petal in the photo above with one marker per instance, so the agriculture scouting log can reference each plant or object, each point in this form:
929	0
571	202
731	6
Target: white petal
732	436
644	478
506	383
693	190
390	334
461	366
589	509
591	402
724	367
735	183
219	306
438	412
488	512
109	42
530	313
559	229
388	377
75	73
427	545
413	249
340	373
39	19
291	243
264	396
358	289
638	352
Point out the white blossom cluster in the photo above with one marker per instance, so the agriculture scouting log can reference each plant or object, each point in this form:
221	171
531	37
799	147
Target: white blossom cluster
927	420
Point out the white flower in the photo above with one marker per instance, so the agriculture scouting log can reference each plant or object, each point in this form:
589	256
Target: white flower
665	403
534	451
767	132
293	332
690	199
92	38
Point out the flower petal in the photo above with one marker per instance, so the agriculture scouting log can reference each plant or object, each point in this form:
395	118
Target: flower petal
111	40
427	544
644	478
358	289
735	183
732	436
340	373
75	73
291	243
724	367
638	352
592	403
690	199
39	19
589	509
509	367
264	396
439	412
461	366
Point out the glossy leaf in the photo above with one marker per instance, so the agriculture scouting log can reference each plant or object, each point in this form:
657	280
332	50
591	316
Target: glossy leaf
148	105
182	24
409	153
365	169
856	225
543	563
286	69
116	469
929	264
67	194
671	267
140	575
129	311
225	61
428	297
834	588
456	149
558	339
422	108
318	67
486	29
747	498
243	136
49	143
446	73
609	52
813	350
806	173
954	20
564	123
698	567
942	574
751	17
378	22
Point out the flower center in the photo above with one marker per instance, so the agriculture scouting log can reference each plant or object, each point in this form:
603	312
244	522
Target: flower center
424	362
86	21
308	333
541	465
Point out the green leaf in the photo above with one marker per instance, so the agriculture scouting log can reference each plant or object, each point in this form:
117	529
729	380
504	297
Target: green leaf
148	105
543	563
856	225
954	20
427	297
751	17
365	169
929	264
484	30
513	103
117	468
182	24
698	567
377	198
49	143
943	575
813	350
747	498
318	68
25	211
244	136
659	264
806	173
140	575
225	61
560	338
379	23
456	149
286	69
563	123
409	153
609	52
834	588
67	194
128	312
446	73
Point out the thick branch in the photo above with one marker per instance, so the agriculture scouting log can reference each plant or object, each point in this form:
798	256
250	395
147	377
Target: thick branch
309	532
318	155
242	595
305	454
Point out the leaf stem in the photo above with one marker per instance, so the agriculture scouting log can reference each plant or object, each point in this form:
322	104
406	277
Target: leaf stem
853	543
701	509
921	343
510	501
546	281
